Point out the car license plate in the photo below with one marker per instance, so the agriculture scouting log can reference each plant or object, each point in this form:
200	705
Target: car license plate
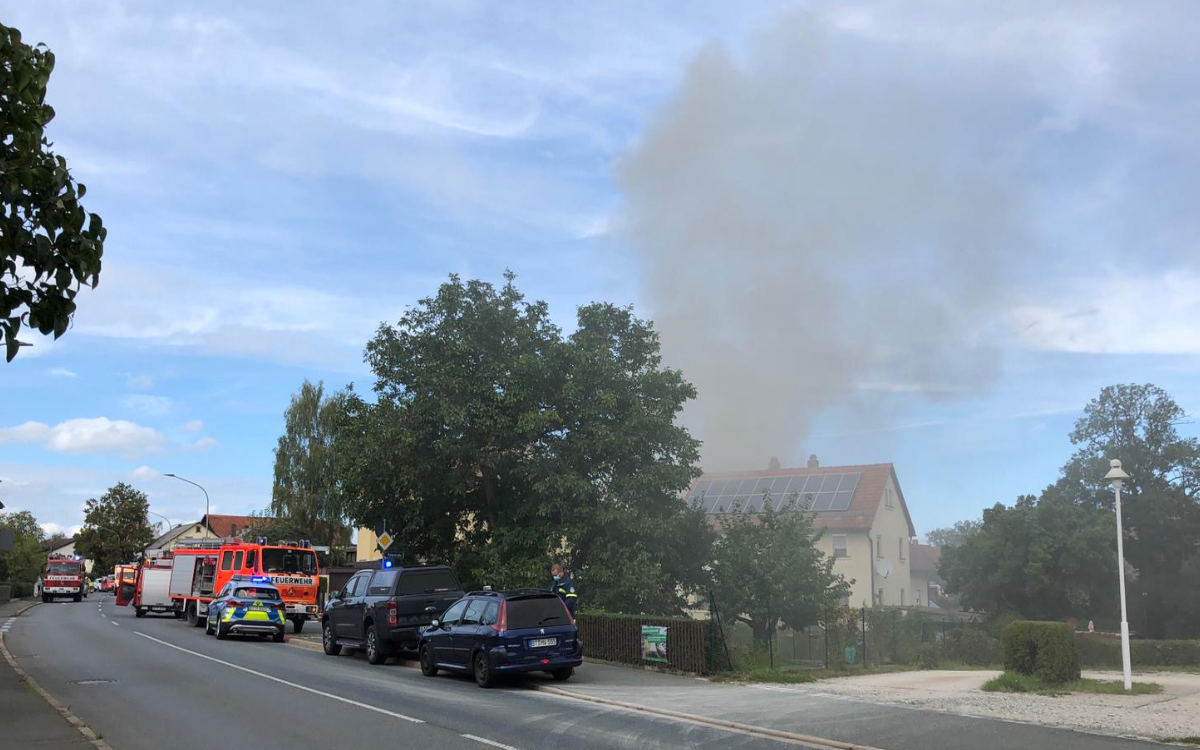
542	642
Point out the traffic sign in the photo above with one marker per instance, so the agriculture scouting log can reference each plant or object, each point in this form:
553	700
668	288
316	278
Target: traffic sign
385	541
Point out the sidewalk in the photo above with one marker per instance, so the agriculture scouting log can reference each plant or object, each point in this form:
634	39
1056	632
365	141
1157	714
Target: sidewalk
26	719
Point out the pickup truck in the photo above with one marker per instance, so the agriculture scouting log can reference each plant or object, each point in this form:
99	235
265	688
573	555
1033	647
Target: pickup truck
383	611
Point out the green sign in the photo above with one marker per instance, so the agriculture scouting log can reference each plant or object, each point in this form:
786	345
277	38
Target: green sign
654	643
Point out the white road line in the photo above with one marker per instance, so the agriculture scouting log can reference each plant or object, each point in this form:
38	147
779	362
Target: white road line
486	741
272	678
117	624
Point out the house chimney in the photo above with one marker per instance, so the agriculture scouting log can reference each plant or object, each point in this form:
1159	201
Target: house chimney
813	463
773	464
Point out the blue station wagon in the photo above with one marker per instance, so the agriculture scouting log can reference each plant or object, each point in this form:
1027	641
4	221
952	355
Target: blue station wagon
492	633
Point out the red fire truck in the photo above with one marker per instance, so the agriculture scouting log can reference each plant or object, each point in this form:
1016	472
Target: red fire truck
201	567
151	584
63	575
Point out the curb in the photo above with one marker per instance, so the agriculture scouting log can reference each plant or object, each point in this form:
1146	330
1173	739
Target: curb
819	743
71	718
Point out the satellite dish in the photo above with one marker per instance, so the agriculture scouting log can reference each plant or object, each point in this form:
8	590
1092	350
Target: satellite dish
883	568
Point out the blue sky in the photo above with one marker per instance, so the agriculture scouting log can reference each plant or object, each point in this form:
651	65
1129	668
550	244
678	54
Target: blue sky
920	233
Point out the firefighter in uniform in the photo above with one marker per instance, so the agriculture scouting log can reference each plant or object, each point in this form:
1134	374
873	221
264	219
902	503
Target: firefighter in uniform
561	584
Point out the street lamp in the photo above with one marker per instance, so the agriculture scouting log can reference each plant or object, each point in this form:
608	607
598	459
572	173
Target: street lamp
205	498
160	515
1116	476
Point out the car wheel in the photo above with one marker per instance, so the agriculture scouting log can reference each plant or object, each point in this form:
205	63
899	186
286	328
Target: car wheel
428	665
139	612
562	674
222	632
328	642
298	625
278	637
208	626
483	671
375	652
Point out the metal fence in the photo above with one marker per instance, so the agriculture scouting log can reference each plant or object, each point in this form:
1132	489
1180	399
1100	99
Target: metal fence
619	638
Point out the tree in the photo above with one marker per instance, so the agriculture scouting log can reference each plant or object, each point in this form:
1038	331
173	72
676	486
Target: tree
497	444
766	569
1161	511
115	528
307	491
1046	558
953	536
49	244
23	563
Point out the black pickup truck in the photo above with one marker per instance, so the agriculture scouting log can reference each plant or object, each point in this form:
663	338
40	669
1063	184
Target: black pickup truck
383	610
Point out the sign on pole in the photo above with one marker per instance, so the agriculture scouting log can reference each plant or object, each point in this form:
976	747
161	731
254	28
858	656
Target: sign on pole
385	541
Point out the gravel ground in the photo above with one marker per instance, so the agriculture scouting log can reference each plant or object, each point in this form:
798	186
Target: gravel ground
1173	713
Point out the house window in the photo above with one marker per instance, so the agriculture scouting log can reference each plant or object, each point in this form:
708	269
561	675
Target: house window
839	546
879	546
918	602
902	549
887	496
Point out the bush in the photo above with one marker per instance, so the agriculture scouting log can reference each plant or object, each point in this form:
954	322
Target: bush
972	646
19	589
1046	650
1103	651
927	656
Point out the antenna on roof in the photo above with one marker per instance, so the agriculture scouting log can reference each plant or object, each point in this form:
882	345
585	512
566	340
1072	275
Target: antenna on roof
773	464
813	463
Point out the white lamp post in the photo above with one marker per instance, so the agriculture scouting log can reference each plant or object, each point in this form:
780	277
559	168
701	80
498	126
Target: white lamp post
1116	476
176	476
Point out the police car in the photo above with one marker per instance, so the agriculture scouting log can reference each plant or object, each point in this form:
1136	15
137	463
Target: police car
249	605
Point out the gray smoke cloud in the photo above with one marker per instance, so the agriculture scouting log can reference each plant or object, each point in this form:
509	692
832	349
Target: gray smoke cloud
832	217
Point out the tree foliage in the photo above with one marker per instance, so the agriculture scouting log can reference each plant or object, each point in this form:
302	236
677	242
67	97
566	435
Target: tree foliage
766	569
307	492
49	244
1055	556
115	528
23	563
953	536
498	443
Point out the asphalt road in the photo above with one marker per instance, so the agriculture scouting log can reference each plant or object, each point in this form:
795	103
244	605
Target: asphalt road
156	683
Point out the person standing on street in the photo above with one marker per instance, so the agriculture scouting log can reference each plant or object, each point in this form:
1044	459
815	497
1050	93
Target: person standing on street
561	584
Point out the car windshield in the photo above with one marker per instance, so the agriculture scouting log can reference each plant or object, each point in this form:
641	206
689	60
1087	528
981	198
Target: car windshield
62	568
257	592
280	560
419	581
536	612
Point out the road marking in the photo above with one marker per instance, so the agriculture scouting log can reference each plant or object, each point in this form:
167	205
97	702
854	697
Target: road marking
114	622
272	678
8	624
486	741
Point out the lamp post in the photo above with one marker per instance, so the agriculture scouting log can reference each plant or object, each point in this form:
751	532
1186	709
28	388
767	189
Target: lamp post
160	515
205	498
1117	477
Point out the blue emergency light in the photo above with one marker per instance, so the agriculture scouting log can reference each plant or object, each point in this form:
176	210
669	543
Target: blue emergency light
260	579
387	562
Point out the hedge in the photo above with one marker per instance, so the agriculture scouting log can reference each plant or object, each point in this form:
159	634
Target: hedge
1045	649
19	589
972	646
616	637
1105	651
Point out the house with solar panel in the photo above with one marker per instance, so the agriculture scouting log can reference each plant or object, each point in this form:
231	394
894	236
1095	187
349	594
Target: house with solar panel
860	510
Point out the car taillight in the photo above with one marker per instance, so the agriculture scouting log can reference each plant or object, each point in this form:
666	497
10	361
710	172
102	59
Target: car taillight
391	606
501	623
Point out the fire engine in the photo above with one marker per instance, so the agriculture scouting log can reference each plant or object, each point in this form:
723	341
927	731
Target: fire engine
151	586
201	567
63	575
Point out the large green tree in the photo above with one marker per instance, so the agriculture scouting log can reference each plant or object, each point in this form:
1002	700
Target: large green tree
22	563
307	492
49	245
1046	557
115	528
1137	423
767	570
498	443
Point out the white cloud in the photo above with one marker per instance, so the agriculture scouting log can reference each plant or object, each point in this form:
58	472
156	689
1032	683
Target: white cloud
194	425
51	528
1118	313
61	372
139	382
85	436
154	406
145	472
204	444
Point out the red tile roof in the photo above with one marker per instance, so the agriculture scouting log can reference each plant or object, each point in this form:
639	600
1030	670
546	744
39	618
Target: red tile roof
231	525
863	505
924	558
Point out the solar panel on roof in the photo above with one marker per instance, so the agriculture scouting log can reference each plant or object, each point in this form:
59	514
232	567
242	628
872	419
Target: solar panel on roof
841	501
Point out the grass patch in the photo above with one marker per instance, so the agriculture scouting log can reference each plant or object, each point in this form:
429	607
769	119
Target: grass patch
1189	740
1013	682
797	675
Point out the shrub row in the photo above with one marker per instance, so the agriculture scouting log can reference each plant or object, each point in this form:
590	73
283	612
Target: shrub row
18	589
1045	649
1101	651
